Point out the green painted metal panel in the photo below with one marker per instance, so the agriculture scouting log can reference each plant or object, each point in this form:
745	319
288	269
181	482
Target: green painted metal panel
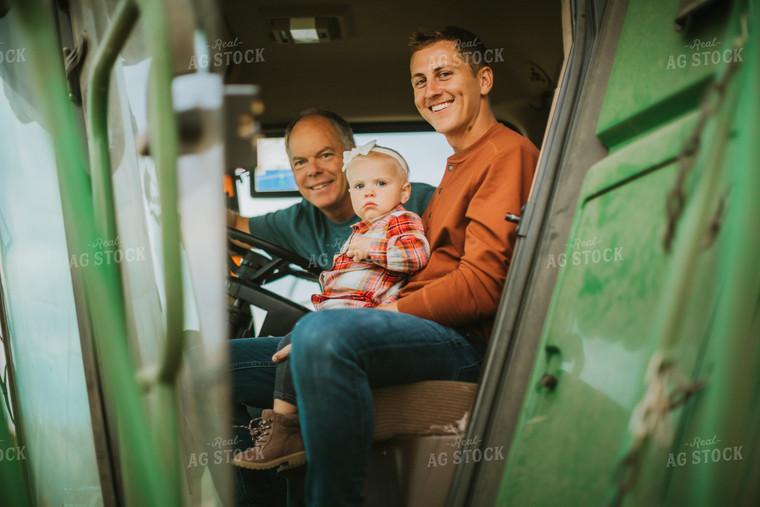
659	73
600	324
697	306
714	458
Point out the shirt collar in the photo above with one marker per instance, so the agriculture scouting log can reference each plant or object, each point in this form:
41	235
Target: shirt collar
462	155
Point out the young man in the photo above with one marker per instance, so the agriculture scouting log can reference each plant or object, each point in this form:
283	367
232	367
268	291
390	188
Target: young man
316	227
439	328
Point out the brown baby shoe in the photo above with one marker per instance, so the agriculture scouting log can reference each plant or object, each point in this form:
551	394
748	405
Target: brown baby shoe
278	441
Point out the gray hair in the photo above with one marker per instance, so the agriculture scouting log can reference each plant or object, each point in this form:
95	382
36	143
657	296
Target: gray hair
341	127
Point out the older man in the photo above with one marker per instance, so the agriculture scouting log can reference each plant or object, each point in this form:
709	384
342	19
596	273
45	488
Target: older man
439	328
317	227
314	228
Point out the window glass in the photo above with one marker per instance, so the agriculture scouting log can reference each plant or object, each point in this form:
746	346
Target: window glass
41	319
424	152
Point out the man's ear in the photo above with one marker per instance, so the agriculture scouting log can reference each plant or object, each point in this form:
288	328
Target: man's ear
406	191
485	78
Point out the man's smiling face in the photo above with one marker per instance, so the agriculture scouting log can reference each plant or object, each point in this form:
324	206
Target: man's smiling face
316	156
446	92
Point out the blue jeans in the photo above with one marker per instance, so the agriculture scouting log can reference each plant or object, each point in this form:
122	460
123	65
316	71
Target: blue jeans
337	357
283	380
253	378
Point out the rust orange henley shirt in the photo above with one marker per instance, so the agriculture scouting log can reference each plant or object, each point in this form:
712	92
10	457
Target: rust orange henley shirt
470	240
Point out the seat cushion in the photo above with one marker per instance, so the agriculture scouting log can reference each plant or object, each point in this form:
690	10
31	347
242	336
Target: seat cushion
434	407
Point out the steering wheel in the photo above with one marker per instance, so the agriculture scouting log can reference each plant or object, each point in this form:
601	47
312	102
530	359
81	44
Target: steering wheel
265	262
279	262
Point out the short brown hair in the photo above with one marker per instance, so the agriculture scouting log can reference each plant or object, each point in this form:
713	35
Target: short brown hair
469	46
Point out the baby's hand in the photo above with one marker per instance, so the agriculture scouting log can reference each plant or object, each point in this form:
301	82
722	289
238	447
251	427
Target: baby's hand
359	248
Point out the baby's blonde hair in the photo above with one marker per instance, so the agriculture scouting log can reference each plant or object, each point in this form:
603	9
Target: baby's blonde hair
378	154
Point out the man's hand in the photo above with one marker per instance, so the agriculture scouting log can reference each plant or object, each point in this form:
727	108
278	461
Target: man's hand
282	354
390	307
359	248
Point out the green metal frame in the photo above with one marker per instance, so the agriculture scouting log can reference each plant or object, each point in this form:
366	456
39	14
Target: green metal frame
165	150
114	39
14	481
149	452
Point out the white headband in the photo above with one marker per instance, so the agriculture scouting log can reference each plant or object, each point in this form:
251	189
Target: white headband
349	156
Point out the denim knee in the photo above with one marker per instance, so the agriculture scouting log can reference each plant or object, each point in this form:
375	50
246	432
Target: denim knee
320	338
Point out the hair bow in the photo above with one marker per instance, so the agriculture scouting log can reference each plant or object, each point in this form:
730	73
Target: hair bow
349	156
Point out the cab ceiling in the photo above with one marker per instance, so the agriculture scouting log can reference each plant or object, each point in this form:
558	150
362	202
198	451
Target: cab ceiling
365	75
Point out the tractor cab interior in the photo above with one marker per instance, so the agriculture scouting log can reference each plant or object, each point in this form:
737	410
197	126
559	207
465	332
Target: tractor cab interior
353	59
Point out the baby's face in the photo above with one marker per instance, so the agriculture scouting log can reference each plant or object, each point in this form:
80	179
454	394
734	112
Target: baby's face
377	185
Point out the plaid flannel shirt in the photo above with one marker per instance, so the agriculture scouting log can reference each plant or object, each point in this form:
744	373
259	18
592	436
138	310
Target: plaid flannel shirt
398	249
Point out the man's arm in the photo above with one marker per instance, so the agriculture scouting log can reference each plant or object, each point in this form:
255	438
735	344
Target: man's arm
300	228
472	291
235	221
279	227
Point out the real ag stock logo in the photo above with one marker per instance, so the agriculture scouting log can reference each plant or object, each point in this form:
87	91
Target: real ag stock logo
585	251
712	55
704	451
223	450
105	251
467	451
224	53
